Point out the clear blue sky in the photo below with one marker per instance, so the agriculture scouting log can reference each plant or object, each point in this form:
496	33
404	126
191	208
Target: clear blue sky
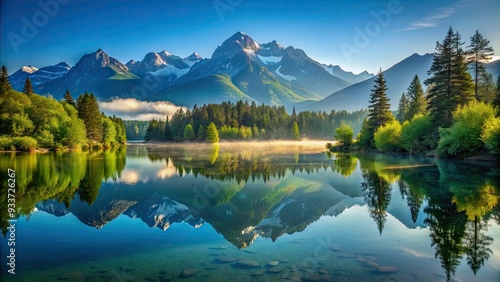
326	29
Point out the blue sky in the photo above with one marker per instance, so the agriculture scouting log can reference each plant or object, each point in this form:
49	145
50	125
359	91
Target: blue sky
356	35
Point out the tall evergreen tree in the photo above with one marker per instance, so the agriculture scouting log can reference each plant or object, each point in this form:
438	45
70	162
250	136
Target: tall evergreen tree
212	133
450	83
28	88
189	132
379	112
167	131
416	99
88	111
69	99
295	131
403	107
201	134
479	52
4	80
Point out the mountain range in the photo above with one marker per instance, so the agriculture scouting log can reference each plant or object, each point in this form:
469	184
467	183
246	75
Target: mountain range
239	69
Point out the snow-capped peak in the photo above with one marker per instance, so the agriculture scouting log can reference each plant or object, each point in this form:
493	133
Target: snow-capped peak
166	53
29	69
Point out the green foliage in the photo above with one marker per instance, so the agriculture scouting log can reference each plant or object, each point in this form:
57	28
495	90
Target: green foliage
416	99
265	122
189	132
135	129
490	135
88	111
414	134
227	132
154	131
28	88
403	108
388	137
24	143
295	131
4	81
364	137
201	135
479	53
45	139
451	83
486	88
69	99
245	132
212	133
379	113
462	139
109	133
344	134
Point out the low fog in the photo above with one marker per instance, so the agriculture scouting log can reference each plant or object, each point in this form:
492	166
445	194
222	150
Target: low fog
268	147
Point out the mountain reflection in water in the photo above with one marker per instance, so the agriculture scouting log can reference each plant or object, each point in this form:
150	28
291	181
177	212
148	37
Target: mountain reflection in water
244	193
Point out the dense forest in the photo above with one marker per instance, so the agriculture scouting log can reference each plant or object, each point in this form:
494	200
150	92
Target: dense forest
457	116
135	129
29	121
244	121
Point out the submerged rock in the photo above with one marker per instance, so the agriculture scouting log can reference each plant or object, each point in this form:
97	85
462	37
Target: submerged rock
387	269
188	273
316	277
245	263
275	269
224	259
258	273
273	263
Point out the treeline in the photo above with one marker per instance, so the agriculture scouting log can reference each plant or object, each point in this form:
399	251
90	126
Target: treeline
244	121
135	129
29	121
457	116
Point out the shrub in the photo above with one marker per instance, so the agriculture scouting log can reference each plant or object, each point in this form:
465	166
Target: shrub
491	135
5	143
463	138
344	134
414	134
387	137
24	143
45	139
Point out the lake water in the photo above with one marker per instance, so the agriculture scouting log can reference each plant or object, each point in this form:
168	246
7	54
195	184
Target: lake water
243	212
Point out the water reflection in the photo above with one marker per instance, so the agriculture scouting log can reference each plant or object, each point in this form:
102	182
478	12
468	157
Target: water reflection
244	194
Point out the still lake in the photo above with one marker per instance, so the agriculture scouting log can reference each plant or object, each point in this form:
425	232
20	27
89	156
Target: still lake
250	212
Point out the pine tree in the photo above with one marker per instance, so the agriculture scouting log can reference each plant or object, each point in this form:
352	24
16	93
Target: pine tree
416	99
28	88
295	131
202	135
4	80
403	108
88	111
379	112
486	88
167	131
478	53
450	83
189	132
69	99
461	79
212	133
